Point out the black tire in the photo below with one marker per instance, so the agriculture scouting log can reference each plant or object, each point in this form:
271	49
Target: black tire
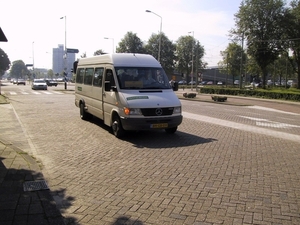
171	130
117	127
83	113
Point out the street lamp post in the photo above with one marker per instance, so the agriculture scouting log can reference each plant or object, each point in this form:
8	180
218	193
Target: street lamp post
66	52
112	43
159	45
193	62
33	58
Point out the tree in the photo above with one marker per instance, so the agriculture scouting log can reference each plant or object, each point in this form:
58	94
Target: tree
281	70
186	50
253	70
131	43
261	24
167	55
293	34
18	69
99	52
231	63
4	62
50	73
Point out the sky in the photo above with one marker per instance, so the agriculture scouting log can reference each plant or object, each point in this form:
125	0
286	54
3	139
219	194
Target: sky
34	27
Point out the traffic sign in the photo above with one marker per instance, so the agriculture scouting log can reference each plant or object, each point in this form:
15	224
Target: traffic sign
72	50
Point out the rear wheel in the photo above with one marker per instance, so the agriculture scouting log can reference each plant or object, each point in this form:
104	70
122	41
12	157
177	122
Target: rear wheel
171	130
117	127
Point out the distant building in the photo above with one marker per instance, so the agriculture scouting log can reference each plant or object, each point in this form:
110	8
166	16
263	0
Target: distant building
59	63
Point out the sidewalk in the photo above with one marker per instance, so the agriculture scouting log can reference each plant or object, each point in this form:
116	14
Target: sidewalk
24	194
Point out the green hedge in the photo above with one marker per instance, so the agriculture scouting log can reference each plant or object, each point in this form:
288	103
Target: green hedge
260	93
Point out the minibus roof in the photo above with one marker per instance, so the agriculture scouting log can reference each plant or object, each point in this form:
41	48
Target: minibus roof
122	60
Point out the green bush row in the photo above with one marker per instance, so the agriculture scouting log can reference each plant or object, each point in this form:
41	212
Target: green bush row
261	93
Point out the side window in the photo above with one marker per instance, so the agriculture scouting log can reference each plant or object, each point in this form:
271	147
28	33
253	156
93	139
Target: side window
109	77
88	76
79	75
98	75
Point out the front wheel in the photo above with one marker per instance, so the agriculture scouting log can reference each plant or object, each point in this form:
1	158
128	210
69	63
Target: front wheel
117	127
83	113
171	130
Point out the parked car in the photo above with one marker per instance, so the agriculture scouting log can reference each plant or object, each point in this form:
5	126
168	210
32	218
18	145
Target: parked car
20	81
192	82
220	83
210	82
236	82
51	83
182	82
39	84
254	84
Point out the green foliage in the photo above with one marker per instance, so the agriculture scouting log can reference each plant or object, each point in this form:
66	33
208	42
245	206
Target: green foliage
19	69
4	62
261	23
50	73
292	95
292	31
167	53
186	50
232	60
131	43
99	52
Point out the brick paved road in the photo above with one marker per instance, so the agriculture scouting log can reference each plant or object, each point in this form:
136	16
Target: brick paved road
204	174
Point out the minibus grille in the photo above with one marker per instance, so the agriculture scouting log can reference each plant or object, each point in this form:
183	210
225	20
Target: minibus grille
157	111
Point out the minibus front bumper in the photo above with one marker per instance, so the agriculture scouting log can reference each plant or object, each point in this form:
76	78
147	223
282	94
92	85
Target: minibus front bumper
150	123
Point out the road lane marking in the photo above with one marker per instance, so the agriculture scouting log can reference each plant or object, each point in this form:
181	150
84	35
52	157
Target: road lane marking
244	127
36	93
47	92
269	123
270	109
57	92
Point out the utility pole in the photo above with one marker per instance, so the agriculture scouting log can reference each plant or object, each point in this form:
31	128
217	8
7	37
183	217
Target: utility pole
227	69
241	69
193	63
66	53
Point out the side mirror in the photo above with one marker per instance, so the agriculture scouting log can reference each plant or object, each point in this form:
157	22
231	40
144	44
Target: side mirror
75	64
107	86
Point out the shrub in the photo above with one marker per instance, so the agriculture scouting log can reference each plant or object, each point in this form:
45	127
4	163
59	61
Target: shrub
291	94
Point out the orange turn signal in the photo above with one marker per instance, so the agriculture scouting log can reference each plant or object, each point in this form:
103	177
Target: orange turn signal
126	111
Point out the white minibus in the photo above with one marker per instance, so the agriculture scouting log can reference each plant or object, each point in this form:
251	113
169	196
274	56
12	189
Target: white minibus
127	91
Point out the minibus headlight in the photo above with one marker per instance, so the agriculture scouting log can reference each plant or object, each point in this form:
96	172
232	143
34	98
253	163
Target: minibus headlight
129	111
177	110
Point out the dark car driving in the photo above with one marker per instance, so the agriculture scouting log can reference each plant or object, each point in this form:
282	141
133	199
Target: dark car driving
51	83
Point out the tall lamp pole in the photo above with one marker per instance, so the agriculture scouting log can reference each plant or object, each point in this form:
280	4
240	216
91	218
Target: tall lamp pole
113	42
33	57
159	45
66	52
193	62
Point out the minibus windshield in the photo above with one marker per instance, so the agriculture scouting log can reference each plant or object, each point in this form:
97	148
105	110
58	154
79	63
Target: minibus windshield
142	78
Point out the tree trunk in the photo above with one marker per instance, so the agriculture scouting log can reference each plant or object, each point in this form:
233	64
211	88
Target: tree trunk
265	74
298	81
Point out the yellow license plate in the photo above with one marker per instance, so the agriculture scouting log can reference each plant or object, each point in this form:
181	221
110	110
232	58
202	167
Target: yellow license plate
159	125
